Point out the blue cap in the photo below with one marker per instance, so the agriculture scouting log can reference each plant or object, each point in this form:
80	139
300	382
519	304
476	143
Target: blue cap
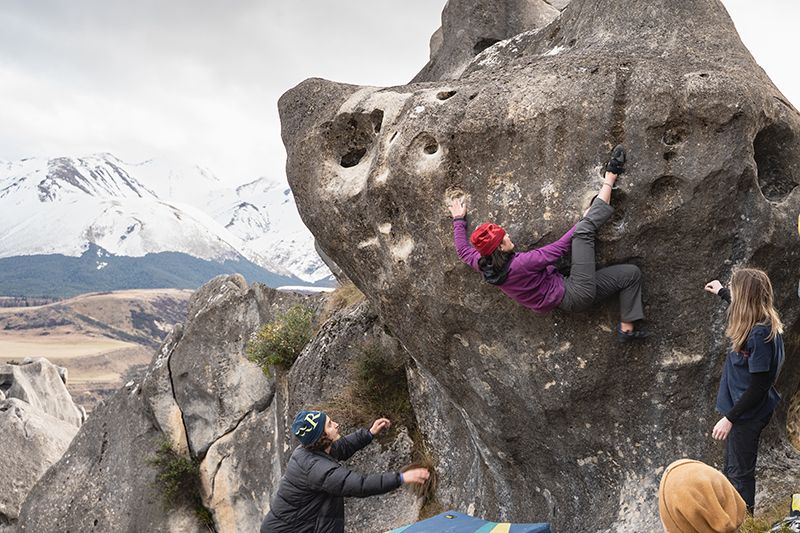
309	426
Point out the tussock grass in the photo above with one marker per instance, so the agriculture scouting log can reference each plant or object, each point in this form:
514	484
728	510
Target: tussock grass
279	343
378	388
178	480
762	522
343	297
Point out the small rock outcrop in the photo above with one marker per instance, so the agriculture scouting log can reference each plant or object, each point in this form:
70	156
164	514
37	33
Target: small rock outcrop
546	417
41	384
38	420
105	481
471	26
202	396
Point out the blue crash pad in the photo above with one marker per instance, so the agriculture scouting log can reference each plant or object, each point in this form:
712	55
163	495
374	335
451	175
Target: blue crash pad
453	522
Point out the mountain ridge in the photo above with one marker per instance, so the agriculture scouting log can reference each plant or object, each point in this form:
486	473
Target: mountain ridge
133	210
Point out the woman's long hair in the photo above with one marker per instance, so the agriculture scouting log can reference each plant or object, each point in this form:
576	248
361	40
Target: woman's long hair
496	261
751	304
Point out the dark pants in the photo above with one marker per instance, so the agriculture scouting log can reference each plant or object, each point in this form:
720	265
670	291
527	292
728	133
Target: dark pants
586	286
741	453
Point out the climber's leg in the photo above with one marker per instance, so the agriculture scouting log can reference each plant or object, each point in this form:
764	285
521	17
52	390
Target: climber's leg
627	281
580	285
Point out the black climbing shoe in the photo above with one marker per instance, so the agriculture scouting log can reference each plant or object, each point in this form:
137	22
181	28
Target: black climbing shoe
616	164
635	335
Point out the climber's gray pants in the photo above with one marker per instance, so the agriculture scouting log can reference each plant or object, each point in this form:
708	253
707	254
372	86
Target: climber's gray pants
585	286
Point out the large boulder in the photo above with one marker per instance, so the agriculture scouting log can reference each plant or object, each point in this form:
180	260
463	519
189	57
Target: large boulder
212	381
198	390
32	441
41	384
563	424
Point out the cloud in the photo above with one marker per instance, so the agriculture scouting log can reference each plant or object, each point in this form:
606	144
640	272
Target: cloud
199	80
187	79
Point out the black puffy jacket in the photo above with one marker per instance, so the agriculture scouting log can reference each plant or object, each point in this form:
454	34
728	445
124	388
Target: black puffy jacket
310	497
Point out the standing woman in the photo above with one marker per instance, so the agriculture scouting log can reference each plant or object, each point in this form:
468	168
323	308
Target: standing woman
747	395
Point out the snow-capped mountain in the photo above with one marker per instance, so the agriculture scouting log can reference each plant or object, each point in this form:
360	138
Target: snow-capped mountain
61	206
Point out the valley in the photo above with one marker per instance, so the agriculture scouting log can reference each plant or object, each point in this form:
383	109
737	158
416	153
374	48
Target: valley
102	339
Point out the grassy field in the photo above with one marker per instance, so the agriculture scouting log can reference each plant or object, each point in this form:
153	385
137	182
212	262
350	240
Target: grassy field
17	346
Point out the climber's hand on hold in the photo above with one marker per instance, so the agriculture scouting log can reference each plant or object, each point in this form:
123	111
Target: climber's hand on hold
457	208
379	425
713	286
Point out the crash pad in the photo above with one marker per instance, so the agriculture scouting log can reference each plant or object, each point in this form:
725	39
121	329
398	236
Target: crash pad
454	522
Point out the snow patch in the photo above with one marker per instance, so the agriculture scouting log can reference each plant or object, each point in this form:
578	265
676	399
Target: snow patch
305	288
134	209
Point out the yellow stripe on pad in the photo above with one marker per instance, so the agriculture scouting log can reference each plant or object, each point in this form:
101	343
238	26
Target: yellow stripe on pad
502	528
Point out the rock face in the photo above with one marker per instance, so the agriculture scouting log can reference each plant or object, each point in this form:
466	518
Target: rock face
198	389
38	421
41	384
32	441
202	395
545	417
471	26
105	482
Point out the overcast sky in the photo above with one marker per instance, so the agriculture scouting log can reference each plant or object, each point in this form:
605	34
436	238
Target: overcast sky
198	80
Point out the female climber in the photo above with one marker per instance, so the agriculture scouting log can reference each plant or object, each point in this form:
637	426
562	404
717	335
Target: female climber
747	395
531	279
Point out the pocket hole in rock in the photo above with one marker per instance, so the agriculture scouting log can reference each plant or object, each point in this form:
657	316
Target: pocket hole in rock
351	135
444	95
777	155
377	120
674	134
353	157
668	156
483	44
666	189
431	147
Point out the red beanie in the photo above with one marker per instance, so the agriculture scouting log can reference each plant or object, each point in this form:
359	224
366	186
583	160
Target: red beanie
487	237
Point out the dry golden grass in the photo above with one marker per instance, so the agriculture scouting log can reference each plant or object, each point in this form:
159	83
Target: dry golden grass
100	297
344	296
762	522
20	345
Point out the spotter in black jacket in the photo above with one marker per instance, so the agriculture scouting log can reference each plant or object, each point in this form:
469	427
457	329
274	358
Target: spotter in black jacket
310	497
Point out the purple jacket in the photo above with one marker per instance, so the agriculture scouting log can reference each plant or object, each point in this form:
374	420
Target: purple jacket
532	280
